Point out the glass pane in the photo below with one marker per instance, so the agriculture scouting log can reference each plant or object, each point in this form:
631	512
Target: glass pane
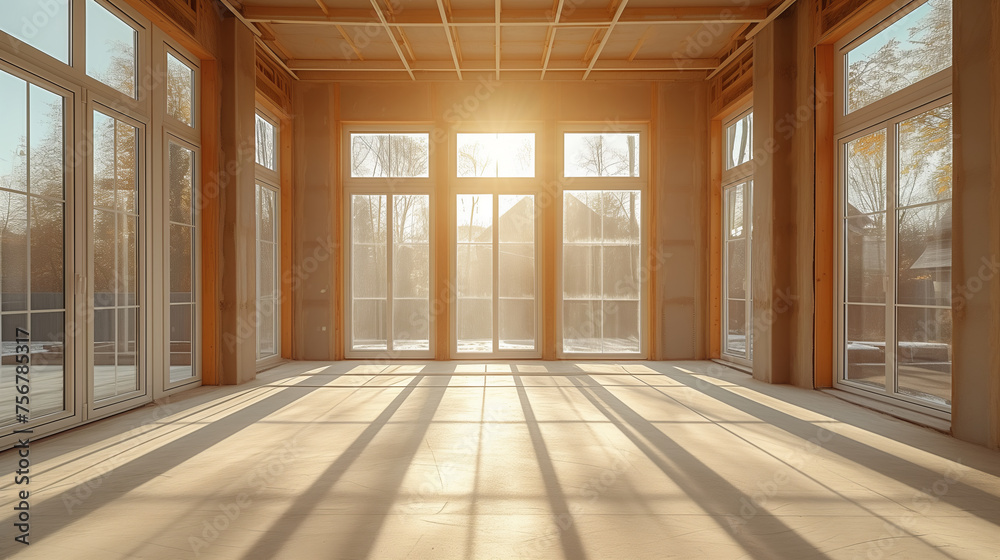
266	142
267	343
621	272
368	325
739	142
14	251
182	252
736	327
103	188
105	353
47	280
111	49
390	155
180	90
126	166
128	260
620	326
411	272
517	218
265	276
47	362
46	153
127	374
735	218
14	133
368	272
8	364
409	155
181	174
517	267
736	268
865	345
916	46
866	174
182	329
865	258
582	326
621	212
517	323
923	354
601	271
601	155
105	245
582	211
925	157
43	25
505	154
924	255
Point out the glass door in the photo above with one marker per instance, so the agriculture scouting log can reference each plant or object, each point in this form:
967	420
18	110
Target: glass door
115	203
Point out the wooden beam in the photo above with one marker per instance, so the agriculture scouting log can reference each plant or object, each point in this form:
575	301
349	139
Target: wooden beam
638	44
824	279
275	57
406	43
671	64
392	37
322	6
496	39
770	17
585	17
451	43
350	42
550	39
607	35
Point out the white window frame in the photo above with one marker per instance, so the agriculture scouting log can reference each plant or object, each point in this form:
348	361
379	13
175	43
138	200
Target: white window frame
84	94
271	180
189	137
387	186
740	175
884	114
495	187
640	184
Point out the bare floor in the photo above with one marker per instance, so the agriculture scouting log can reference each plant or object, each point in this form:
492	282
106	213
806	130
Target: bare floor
443	460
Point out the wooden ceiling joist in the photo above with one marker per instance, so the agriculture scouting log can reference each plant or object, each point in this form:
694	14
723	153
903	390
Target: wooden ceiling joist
581	17
678	64
447	32
392	37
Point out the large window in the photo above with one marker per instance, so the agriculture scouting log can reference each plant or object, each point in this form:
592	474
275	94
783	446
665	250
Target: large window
495	273
33	195
737	228
268	316
98	212
390	281
603	267
389	262
895	154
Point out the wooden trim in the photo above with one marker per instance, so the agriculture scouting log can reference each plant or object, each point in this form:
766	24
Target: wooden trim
337	333
654	348
170	26
823	250
210	170
287	237
832	23
715	239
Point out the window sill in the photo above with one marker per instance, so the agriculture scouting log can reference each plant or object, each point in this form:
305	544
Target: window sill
905	414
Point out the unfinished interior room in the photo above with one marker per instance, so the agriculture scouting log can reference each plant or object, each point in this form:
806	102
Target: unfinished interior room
500	279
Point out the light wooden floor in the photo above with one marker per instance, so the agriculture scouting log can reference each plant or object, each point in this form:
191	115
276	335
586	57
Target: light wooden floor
539	460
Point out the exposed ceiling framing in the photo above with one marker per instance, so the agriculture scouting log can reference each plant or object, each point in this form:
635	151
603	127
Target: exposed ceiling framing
536	40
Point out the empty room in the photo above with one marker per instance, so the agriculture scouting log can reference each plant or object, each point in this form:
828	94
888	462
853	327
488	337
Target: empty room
500	279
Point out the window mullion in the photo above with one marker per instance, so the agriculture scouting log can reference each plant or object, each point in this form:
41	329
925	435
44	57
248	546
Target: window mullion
890	257
390	250
496	272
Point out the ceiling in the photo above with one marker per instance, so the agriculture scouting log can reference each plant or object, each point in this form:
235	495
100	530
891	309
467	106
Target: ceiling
445	40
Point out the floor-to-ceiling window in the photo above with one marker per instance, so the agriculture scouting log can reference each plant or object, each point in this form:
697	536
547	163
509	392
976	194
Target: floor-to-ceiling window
894	130
388	187
99	152
495	289
268	315
603	266
737	228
